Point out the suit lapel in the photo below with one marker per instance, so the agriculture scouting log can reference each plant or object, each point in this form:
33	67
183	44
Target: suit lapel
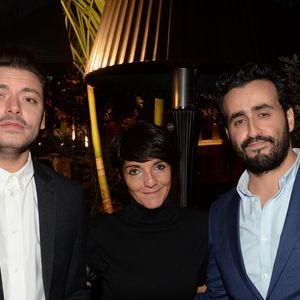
234	237
290	233
1	288
233	232
47	215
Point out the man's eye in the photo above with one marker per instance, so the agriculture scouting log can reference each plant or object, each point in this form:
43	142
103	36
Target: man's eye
30	100
264	115
238	122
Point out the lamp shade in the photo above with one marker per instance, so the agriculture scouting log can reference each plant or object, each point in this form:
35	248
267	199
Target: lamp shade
195	33
133	35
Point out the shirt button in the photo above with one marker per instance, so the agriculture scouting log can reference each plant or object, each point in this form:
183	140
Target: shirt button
263	238
265	275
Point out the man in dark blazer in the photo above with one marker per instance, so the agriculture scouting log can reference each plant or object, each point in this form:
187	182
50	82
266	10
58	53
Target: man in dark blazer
254	231
42	213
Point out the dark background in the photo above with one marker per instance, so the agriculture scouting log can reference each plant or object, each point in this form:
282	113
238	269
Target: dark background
205	33
208	35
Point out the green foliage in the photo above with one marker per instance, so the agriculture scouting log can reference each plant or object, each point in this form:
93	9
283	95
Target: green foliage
289	6
82	19
67	113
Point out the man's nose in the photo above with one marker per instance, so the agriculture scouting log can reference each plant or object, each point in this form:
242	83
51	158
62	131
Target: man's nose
13	105
253	129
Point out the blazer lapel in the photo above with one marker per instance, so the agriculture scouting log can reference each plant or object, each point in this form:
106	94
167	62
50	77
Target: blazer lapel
47	217
290	233
234	237
1	288
233	232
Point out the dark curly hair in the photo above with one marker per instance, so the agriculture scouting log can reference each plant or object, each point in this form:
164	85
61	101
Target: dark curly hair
239	76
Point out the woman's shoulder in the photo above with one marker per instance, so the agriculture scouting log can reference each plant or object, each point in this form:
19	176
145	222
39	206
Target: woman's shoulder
194	213
102	220
195	218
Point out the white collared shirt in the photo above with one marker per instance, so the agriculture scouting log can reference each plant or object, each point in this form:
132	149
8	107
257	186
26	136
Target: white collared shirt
261	227
20	252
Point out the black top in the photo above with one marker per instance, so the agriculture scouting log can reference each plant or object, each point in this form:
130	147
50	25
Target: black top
152	254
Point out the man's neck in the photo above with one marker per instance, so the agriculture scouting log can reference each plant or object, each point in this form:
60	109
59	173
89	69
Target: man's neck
12	162
266	185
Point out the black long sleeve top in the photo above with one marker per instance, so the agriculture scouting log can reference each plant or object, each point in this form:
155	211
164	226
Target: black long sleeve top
149	254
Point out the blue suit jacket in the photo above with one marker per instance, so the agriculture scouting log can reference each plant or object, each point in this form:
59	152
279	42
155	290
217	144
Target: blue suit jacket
226	274
62	235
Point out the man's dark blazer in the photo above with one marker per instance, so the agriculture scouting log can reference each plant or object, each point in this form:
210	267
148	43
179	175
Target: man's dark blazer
226	275
62	217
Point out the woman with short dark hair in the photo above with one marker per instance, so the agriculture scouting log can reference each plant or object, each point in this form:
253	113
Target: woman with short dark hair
151	249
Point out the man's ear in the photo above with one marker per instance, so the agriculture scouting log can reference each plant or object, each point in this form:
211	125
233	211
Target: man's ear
291	119
228	136
43	122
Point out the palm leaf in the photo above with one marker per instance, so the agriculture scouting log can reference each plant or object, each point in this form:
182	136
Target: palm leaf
82	19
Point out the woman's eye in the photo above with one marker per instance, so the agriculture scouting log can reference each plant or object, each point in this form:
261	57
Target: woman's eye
134	172
160	166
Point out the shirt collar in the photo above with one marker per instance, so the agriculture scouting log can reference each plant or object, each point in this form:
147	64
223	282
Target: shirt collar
22	176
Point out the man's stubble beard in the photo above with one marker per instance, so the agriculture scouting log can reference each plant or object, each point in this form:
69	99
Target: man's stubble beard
261	163
15	149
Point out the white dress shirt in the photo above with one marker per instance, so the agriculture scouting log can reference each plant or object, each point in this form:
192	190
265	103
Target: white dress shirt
261	227
20	252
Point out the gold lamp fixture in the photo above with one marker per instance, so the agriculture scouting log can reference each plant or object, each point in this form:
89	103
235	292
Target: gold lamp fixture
132	32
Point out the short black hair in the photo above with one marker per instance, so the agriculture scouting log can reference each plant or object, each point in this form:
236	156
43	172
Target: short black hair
22	59
141	142
241	75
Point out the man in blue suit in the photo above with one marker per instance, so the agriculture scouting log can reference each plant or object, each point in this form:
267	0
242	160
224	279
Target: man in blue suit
254	233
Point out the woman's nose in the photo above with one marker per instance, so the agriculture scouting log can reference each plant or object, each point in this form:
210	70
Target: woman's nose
150	180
